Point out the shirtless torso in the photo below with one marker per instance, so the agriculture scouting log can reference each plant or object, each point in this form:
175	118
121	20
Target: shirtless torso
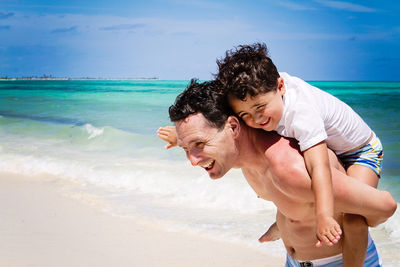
277	173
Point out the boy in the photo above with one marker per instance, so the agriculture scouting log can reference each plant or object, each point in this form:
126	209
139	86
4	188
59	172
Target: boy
272	101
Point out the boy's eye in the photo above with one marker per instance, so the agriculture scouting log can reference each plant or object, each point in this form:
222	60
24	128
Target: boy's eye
243	115
260	107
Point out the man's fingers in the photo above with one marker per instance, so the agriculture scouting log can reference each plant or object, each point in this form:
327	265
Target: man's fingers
165	138
263	238
162	133
168	146
318	244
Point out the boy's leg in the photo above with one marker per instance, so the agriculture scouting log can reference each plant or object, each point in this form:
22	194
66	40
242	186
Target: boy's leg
355	228
355	197
363	174
355	240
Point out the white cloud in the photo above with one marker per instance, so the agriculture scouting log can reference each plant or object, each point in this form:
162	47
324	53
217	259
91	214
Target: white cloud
200	4
346	6
123	27
295	6
65	30
319	36
109	24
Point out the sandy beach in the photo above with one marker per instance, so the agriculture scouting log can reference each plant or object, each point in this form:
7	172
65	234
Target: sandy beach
40	226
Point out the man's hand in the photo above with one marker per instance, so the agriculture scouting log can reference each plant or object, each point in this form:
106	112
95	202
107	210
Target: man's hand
272	234
168	134
328	231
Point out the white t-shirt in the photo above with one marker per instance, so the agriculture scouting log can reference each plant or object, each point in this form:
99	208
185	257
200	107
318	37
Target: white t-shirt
311	115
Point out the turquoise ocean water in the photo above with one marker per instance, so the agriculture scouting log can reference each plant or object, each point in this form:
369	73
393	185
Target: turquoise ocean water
102	136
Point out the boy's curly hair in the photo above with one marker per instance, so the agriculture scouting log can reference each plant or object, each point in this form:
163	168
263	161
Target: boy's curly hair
206	98
247	70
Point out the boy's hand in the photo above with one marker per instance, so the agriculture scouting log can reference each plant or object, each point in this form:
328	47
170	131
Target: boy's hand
328	231
168	134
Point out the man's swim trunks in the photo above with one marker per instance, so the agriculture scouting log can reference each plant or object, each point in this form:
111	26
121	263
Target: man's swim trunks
371	260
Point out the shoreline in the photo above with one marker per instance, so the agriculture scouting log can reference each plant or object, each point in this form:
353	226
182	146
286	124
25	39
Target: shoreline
79	79
41	226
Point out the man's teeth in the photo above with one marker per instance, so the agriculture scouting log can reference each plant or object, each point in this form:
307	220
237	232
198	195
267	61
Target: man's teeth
208	165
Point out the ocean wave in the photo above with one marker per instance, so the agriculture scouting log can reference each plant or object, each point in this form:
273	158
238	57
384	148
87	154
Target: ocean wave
53	119
392	225
93	131
175	182
80	136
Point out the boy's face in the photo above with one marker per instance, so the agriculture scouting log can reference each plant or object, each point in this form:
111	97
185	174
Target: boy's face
262	111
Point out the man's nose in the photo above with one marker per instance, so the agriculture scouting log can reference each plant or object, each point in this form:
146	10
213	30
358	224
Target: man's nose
193	158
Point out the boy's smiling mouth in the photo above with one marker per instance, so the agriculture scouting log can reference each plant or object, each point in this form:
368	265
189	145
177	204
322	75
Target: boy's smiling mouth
265	123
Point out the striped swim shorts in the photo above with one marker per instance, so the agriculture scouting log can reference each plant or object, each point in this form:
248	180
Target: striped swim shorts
370	156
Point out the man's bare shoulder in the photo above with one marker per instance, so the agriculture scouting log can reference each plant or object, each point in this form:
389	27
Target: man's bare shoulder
285	161
279	149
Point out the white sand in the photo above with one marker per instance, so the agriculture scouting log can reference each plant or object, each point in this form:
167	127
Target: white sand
41	227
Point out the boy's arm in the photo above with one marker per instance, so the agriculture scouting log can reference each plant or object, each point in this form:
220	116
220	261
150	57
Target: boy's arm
168	134
317	163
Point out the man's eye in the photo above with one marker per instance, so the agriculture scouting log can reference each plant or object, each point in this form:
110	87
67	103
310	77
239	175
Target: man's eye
199	144
244	115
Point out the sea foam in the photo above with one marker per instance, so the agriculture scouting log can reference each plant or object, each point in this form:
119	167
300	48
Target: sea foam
93	131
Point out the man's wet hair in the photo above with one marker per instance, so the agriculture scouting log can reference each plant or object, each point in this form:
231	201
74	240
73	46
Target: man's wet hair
247	69
206	98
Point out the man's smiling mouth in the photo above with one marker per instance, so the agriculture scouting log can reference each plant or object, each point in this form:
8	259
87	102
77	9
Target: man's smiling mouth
208	165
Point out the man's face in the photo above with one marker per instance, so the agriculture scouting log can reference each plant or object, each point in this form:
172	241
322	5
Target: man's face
206	146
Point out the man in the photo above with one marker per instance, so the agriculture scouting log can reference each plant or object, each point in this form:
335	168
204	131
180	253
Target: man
273	166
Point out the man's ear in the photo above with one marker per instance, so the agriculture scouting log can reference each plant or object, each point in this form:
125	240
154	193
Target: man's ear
232	124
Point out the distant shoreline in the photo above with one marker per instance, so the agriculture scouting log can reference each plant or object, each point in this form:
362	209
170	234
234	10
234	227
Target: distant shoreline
76	79
138	79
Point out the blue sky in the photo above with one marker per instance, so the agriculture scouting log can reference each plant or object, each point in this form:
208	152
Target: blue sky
181	39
